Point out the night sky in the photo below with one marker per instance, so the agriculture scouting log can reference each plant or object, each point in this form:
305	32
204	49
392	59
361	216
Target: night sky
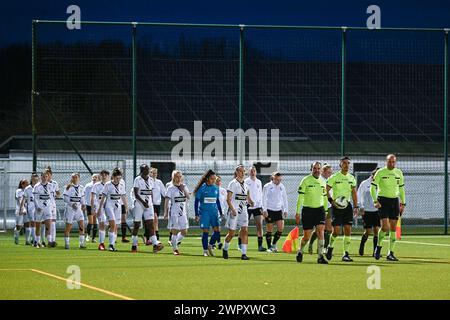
16	16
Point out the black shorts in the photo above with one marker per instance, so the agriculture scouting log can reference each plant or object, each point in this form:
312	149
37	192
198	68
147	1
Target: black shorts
123	209
274	216
390	208
157	209
255	212
89	210
312	217
371	219
342	217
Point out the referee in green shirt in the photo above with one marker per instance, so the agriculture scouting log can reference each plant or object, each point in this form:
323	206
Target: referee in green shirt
387	187
343	184
312	202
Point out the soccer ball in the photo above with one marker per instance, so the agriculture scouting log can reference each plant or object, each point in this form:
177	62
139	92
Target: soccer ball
341	202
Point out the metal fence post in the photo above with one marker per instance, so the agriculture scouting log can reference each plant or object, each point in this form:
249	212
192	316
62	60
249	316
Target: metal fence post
343	58
446	131
134	99
33	93
241	93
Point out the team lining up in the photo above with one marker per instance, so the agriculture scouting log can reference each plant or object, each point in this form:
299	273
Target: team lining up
326	205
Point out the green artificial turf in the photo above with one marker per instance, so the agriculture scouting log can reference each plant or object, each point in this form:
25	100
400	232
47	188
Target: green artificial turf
423	272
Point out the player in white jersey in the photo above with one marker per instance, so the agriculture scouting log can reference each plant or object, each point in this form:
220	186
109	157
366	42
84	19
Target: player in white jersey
237	198
370	214
159	192
92	221
113	193
56	194
175	209
27	204
100	216
254	186
326	172
20	211
168	184
43	195
123	217
275	209
143	207
74	198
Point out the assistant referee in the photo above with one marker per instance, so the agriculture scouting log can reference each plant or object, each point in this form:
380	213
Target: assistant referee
387	187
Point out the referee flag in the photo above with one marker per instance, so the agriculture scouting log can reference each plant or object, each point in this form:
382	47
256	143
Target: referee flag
291	243
398	229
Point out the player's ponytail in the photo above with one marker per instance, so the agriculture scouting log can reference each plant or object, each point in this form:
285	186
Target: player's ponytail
237	169
116	172
203	179
21	182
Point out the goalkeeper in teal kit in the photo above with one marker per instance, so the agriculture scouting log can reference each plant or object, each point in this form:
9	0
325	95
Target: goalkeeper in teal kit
207	206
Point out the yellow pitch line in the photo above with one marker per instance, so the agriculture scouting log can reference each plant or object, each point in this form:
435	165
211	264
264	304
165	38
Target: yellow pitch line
83	285
14	269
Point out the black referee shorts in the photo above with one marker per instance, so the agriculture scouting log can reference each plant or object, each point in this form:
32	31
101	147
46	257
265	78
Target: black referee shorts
390	208
156	209
274	216
371	219
312	217
342	217
255	212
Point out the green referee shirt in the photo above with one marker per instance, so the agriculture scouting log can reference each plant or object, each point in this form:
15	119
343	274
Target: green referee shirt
342	185
312	193
388	183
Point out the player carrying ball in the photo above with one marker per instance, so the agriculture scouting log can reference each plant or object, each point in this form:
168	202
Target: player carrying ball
343	185
387	186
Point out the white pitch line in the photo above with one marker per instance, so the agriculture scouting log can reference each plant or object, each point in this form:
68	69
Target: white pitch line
84	285
74	282
424	243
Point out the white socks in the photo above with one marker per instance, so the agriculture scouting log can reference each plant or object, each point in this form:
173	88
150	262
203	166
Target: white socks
174	242
27	234
81	238
154	240
244	249
180	237
134	240
42	231
67	240
112	238
101	236
226	245
53	230
33	234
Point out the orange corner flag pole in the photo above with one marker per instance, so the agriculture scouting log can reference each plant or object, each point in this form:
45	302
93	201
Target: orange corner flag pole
398	229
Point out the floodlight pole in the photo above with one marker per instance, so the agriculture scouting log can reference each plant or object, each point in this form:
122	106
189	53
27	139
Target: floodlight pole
241	94
446	131
33	94
343	58
134	98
